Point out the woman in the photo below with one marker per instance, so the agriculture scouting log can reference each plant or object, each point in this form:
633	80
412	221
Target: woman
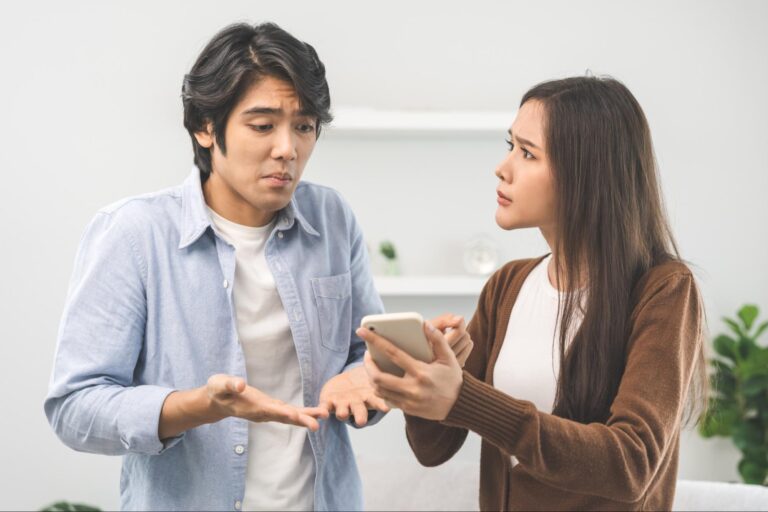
586	361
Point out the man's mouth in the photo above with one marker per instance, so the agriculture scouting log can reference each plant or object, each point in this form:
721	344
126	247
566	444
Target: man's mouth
278	179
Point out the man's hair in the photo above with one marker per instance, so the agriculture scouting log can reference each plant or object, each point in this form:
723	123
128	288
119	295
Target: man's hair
238	57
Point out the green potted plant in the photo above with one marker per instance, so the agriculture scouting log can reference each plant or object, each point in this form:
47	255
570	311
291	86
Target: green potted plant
65	506
738	406
387	249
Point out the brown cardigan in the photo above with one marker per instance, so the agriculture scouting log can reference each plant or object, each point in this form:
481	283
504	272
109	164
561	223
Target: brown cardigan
628	463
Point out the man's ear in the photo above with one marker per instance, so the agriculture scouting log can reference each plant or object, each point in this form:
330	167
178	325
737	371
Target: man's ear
205	138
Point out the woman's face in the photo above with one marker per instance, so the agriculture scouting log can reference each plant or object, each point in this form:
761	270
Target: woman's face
526	192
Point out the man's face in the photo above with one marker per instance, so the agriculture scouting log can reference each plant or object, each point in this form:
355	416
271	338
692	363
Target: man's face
268	142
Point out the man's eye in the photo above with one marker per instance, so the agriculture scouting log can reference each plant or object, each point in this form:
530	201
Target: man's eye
261	127
306	128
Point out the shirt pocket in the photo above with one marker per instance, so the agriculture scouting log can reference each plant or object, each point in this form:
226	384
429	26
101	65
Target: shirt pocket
333	296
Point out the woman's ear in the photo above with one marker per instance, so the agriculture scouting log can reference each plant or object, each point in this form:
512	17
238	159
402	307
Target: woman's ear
205	138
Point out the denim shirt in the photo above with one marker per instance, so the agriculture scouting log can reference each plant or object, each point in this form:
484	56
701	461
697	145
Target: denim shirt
149	311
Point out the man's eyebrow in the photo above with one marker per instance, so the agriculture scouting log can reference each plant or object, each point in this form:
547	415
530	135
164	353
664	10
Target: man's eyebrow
274	111
524	142
261	110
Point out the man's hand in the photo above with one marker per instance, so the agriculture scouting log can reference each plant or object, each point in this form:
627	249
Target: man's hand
230	396
351	393
456	335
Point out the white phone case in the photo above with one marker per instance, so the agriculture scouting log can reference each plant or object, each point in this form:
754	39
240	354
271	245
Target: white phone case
404	330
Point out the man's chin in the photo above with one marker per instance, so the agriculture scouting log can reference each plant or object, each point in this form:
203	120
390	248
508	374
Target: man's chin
271	204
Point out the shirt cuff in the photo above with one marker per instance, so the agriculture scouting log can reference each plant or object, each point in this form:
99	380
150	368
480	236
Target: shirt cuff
139	419
353	365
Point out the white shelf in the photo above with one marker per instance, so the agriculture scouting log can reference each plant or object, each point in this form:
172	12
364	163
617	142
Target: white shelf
428	286
367	120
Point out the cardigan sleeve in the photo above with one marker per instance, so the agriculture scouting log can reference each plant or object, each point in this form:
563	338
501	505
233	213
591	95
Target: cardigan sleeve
616	460
433	442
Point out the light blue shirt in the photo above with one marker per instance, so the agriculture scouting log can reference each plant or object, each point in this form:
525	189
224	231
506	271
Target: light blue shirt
149	311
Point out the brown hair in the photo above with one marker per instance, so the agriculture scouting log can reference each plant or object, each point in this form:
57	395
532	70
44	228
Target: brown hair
611	229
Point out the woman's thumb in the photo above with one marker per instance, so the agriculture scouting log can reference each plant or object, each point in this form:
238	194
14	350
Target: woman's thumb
440	346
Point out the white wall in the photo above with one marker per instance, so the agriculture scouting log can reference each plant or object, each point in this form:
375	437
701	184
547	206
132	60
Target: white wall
91	113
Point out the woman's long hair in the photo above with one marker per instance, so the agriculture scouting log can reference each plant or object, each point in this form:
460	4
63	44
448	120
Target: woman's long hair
611	229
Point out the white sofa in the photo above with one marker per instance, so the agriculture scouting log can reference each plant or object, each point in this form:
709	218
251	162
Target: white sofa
400	483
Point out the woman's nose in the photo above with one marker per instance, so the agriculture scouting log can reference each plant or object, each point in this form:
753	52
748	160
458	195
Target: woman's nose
504	171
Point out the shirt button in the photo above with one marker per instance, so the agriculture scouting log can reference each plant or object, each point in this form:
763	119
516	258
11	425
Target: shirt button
239	449
238	505
226	284
279	234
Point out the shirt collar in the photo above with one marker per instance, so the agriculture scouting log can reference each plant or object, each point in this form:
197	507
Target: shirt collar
195	219
292	213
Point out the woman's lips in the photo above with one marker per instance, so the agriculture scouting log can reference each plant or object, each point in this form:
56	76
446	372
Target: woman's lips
502	199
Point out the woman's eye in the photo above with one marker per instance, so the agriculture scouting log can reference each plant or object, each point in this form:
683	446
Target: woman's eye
527	154
510	144
261	127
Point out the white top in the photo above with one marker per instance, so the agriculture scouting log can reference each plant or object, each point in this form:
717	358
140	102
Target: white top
529	360
281	466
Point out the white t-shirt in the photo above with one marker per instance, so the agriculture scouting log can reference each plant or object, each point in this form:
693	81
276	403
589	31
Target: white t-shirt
529	361
281	466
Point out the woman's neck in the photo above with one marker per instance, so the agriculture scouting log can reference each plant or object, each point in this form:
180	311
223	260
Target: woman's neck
555	261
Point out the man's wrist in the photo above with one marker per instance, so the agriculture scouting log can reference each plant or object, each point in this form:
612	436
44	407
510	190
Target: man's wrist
204	409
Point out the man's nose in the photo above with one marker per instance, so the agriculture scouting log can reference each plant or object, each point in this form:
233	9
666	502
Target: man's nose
284	145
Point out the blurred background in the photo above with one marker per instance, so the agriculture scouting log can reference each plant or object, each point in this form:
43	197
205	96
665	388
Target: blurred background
92	113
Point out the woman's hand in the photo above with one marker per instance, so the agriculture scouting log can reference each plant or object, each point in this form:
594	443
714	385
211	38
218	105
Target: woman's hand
426	390
456	335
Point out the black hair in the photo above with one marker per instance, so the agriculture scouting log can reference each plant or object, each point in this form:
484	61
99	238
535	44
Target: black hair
237	57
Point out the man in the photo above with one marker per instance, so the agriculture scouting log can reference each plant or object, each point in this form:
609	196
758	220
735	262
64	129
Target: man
210	326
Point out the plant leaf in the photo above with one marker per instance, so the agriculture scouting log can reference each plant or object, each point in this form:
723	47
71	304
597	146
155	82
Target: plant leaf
736	328
65	506
748	435
59	506
755	385
387	249
748	313
760	329
720	418
752	473
746	347
754	365
722	380
80	507
726	347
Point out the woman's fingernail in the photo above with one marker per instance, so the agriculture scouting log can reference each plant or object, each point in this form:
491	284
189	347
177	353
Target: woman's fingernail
430	326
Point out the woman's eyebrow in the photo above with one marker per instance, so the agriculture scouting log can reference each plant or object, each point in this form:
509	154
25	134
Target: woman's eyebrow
522	141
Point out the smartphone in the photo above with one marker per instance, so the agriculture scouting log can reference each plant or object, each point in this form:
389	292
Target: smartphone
404	330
